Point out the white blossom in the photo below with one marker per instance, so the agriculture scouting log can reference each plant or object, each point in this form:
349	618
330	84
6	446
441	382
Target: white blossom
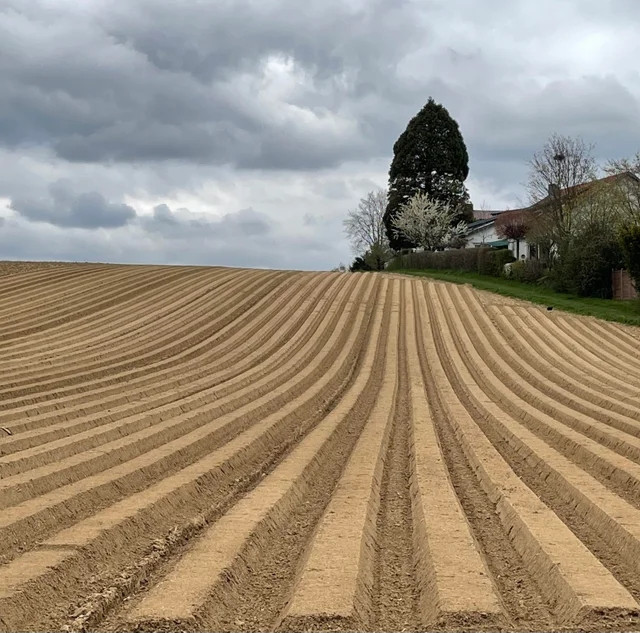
427	223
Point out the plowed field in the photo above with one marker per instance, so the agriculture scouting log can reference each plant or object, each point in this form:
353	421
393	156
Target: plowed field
222	449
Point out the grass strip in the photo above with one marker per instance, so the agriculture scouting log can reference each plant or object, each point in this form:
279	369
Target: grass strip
607	309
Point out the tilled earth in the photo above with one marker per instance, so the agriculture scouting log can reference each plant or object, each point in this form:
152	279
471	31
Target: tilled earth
193	449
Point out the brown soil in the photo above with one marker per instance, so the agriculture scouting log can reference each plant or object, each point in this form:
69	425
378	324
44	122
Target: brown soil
188	448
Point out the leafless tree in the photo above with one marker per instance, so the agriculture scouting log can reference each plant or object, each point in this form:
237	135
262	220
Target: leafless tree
427	223
365	229
564	162
621	165
556	176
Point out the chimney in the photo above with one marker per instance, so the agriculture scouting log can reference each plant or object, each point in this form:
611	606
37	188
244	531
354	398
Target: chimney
554	190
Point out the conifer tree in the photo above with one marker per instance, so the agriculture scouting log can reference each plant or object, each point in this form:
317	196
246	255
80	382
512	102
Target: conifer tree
429	157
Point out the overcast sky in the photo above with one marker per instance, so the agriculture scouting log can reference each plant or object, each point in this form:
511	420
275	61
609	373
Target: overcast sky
238	132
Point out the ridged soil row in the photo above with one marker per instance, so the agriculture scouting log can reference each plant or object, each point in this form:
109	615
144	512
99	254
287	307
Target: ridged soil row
615	520
554	422
121	348
189	347
576	584
394	580
555	353
625	334
599	363
56	508
603	521
203	324
122	320
44	299
109	415
335	588
614	338
172	375
15	297
239	542
65	562
157	427
94	300
522	601
81	427
16	283
553	378
592	340
452	582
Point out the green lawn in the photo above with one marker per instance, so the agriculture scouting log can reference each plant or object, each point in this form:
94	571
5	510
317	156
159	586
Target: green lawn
608	309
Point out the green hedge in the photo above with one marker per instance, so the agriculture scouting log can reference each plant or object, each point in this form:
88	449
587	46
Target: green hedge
485	261
529	271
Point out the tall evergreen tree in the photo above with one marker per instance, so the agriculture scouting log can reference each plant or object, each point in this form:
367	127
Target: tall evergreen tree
430	157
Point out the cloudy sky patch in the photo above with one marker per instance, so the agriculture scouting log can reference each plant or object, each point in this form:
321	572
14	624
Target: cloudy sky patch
240	132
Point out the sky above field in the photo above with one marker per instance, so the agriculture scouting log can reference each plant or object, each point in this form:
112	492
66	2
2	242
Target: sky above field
239	132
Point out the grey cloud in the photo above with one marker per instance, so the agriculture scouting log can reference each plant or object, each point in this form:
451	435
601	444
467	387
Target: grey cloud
149	82
184	224
223	243
65	208
287	107
143	81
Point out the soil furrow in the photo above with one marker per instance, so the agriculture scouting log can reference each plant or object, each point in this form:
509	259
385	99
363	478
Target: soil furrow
335	588
167	426
173	375
596	359
572	580
259	540
118	421
36	517
208	324
122	320
191	448
395	582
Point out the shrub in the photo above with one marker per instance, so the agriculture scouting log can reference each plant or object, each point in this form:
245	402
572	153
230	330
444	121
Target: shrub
492	262
584	266
359	264
630	245
528	271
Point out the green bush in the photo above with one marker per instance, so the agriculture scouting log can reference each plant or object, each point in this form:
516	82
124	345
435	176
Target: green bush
529	271
476	260
359	264
630	246
492	262
584	265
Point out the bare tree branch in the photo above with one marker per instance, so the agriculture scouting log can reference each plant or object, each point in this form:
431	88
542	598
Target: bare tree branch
557	173
364	226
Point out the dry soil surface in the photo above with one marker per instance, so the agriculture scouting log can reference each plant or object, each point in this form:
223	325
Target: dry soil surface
193	449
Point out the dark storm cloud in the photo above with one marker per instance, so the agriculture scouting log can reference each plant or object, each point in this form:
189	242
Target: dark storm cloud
64	208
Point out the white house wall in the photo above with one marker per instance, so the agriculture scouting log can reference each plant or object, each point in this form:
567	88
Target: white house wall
487	234
482	236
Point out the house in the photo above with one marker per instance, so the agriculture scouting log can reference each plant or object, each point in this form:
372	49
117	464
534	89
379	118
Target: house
483	233
484	230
